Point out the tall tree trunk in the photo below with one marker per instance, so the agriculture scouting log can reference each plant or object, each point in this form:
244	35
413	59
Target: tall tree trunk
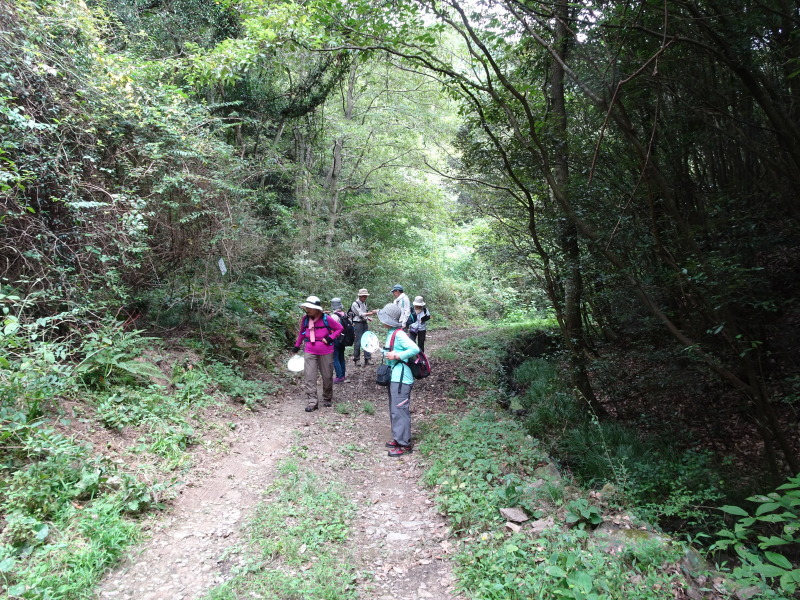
572	328
302	186
332	181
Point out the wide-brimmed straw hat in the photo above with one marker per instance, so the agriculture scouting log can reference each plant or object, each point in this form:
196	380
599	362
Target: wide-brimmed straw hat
418	301
390	315
363	292
312	302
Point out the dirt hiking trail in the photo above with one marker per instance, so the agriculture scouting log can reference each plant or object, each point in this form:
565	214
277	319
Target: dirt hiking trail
397	535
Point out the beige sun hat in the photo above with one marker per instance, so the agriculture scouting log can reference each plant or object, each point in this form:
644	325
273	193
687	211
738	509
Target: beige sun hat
312	302
363	292
418	301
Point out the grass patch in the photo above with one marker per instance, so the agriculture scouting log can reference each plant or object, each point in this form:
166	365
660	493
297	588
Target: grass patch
476	462
67	512
296	542
559	564
343	408
231	382
497	468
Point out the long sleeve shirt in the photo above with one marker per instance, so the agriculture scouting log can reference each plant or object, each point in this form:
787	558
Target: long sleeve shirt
321	331
405	308
359	308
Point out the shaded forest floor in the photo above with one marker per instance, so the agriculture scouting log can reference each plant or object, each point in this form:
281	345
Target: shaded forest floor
399	544
673	399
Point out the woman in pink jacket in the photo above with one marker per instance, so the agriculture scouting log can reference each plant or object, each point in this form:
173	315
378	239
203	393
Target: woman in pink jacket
317	331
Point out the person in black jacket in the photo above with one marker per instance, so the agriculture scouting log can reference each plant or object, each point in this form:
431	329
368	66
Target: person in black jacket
361	318
419	327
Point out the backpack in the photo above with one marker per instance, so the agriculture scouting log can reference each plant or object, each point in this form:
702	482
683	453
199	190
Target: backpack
383	376
348	336
420	366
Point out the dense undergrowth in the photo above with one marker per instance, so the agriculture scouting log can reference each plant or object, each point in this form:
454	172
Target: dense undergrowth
70	507
522	419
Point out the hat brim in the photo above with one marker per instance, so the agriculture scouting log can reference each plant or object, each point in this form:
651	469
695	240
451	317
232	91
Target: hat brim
387	319
312	306
418	304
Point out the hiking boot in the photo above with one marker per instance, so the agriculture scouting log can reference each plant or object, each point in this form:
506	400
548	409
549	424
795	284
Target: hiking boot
399	451
366	363
396	444
338	380
327	403
311	407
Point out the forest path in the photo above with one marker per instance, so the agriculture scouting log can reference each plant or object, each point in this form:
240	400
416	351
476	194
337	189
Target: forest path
397	534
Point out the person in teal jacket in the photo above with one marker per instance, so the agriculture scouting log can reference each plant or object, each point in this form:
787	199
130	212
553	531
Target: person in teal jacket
402	350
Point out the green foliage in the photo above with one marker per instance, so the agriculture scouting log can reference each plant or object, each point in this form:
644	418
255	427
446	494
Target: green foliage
245	319
105	534
33	366
581	513
110	356
343	408
480	443
767	539
229	380
669	484
496	464
557	564
55	491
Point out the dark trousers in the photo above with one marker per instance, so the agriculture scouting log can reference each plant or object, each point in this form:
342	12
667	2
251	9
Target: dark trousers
418	337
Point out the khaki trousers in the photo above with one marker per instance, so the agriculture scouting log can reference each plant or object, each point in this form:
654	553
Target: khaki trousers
322	364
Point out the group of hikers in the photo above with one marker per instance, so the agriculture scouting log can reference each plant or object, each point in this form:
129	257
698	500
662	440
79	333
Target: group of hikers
321	335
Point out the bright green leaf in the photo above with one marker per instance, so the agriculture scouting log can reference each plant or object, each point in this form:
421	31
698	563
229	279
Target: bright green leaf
778	559
555	571
734	510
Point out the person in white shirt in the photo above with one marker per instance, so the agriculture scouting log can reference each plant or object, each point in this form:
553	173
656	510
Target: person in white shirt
401	300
